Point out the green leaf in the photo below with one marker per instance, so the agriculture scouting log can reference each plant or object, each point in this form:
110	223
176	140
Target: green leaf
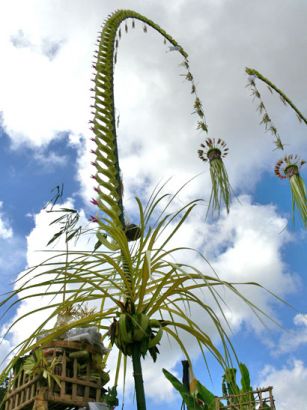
245	379
182	390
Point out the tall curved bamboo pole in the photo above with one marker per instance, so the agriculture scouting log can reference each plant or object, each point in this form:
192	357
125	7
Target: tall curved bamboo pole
104	127
109	184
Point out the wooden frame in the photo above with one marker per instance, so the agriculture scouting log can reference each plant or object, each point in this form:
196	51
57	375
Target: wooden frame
77	386
254	400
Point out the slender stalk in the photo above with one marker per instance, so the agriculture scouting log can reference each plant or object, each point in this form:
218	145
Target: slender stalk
283	96
138	377
66	264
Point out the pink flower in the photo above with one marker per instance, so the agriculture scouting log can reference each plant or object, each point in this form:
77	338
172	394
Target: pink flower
93	219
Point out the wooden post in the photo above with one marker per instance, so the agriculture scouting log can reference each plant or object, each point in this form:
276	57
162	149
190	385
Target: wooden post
62	393
272	404
40	402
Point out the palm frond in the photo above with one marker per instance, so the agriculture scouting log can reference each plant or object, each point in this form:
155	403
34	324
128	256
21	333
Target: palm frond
157	287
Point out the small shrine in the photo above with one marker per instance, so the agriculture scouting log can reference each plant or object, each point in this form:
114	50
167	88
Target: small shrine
63	374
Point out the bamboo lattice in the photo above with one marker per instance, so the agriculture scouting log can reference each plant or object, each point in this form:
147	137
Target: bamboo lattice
259	399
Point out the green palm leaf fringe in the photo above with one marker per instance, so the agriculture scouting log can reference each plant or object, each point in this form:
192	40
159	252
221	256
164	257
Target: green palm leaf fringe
266	119
289	167
213	152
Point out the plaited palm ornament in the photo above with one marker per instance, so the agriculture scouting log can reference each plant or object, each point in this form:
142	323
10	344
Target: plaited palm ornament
289	166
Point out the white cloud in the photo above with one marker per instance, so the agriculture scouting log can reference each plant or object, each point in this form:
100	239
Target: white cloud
246	246
289	384
292	339
6	231
50	160
300	319
4	351
37	253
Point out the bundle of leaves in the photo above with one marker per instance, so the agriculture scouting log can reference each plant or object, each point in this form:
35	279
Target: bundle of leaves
130	280
36	364
110	397
238	398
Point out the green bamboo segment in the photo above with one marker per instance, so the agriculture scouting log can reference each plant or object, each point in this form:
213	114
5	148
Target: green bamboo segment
284	98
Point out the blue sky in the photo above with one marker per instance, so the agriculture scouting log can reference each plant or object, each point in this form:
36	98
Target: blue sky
45	141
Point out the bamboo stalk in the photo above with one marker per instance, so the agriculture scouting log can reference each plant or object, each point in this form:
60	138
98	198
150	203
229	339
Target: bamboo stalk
138	377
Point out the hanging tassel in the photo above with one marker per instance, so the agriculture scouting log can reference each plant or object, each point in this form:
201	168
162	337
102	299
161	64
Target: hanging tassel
213	152
289	167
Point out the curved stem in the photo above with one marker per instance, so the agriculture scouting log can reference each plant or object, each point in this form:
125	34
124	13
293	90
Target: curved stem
251	71
104	127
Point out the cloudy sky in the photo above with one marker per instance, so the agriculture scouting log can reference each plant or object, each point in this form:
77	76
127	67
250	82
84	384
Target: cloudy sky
45	80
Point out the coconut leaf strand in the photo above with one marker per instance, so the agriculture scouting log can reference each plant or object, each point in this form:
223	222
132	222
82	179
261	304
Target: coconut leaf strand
266	119
288	168
214	152
197	105
284	98
220	186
